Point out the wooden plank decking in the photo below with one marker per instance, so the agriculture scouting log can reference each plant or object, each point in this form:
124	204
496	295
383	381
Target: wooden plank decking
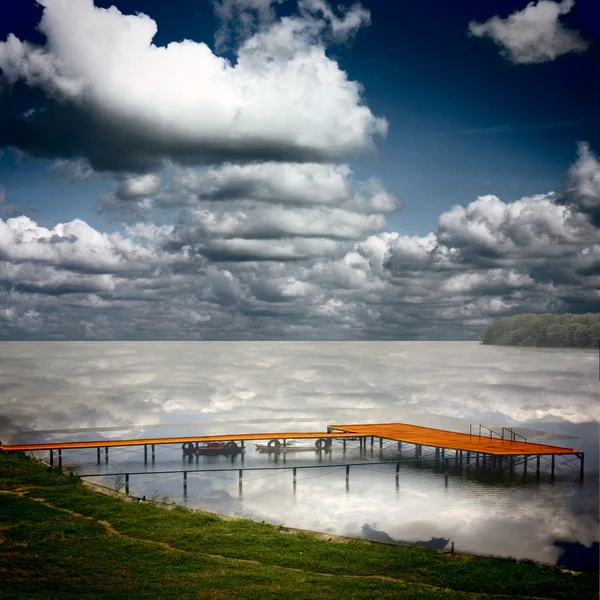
452	440
398	432
173	440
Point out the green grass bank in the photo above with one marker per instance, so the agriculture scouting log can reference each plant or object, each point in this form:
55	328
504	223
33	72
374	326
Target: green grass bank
59	539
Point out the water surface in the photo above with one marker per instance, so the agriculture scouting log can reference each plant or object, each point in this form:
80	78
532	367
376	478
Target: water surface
88	390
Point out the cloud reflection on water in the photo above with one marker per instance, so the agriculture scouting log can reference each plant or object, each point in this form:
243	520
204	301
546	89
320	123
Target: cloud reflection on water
110	390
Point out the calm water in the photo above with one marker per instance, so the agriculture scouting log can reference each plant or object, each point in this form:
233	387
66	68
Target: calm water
64	391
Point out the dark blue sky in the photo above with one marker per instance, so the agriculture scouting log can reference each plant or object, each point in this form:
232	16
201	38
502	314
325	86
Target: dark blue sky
442	91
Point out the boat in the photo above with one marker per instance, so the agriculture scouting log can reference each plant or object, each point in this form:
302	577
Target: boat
292	446
211	448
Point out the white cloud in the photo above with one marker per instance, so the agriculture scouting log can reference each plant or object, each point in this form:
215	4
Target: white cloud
278	222
280	183
74	246
282	98
584	183
241	249
534	34
241	18
73	170
268	270
138	185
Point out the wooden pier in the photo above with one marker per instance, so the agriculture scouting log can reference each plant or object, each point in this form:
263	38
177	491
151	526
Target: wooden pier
491	449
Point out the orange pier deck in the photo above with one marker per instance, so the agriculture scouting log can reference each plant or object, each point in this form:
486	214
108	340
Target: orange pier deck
233	437
438	439
450	440
398	432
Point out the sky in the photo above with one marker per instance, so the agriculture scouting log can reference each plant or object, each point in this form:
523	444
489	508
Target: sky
281	169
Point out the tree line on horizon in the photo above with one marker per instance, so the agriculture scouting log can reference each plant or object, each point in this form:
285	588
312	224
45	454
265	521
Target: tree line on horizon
545	330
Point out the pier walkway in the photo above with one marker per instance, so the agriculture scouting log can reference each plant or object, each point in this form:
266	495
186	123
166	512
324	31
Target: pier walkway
494	448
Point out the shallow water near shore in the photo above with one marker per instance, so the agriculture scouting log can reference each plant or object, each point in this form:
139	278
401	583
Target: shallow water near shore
85	390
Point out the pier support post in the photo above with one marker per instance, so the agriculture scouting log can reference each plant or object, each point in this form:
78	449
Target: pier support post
59	458
511	465
581	457
294	470
372	441
437	452
106	454
51	458
344	442
399	446
153	453
525	457
127	483
185	482
381	442
537	466
552	468
443	453
347	472
483	460
98	454
145	454
445	465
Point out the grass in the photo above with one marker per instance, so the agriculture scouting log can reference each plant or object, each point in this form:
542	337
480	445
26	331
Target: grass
59	539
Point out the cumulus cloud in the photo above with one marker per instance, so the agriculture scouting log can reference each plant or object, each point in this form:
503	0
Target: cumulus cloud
583	184
278	223
73	170
126	104
534	34
250	267
74	246
138	185
240	19
280	183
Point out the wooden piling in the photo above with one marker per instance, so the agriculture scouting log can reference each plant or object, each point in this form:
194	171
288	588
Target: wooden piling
51	458
145	454
106	454
127	483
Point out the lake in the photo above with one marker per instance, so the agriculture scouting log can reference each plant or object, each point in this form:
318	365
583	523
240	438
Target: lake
108	390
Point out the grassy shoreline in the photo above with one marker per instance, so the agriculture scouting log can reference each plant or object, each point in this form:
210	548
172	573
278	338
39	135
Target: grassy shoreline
58	538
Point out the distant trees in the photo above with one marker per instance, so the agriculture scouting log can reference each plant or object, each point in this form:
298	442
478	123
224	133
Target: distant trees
569	330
